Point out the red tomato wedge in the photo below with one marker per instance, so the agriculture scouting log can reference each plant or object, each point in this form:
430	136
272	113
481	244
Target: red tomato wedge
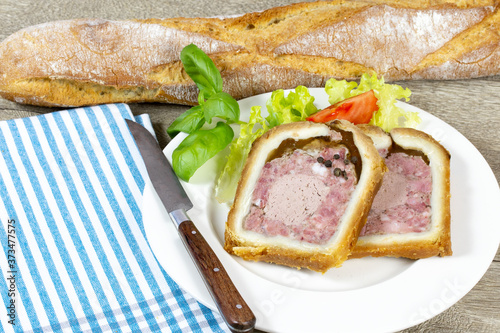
357	109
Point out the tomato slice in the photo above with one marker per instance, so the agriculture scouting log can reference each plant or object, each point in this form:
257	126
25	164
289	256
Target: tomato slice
357	109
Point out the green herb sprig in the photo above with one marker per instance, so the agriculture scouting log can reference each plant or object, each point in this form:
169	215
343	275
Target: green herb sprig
202	143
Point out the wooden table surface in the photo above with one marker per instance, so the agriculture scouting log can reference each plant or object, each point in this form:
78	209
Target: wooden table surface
470	106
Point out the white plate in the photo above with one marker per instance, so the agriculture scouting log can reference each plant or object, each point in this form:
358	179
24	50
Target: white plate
369	294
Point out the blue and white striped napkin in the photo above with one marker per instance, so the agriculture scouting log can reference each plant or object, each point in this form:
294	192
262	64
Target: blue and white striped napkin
74	256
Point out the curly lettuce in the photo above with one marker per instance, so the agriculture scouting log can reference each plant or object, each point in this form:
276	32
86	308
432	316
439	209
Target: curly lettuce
388	115
239	148
296	106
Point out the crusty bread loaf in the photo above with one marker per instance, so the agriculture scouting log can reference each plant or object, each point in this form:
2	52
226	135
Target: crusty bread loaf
384	235
295	207
82	62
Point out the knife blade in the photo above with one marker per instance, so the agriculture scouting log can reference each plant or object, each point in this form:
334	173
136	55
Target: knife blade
233	308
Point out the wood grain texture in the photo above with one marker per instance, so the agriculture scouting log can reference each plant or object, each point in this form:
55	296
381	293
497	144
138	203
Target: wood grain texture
470	106
232	306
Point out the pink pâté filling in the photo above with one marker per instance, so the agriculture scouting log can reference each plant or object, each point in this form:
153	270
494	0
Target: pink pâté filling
402	204
301	196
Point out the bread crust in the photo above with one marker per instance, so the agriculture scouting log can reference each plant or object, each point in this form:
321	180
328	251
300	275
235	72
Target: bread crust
249	246
436	241
92	61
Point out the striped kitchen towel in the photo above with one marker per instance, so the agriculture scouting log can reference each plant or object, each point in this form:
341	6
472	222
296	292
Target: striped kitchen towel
75	256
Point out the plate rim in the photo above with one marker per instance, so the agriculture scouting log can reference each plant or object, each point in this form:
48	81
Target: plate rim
227	259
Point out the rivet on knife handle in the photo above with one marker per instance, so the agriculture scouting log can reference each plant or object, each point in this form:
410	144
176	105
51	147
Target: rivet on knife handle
238	316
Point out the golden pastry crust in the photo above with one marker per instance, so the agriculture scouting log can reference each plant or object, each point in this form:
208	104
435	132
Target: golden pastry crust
252	246
436	241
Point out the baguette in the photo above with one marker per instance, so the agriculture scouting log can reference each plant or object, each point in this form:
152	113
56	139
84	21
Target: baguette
295	209
92	61
409	218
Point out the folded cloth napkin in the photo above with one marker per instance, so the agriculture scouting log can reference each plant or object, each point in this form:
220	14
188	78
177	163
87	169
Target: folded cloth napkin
75	256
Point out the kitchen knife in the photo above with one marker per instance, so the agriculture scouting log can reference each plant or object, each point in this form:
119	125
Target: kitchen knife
236	313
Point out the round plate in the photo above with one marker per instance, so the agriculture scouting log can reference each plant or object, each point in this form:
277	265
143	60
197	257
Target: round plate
368	294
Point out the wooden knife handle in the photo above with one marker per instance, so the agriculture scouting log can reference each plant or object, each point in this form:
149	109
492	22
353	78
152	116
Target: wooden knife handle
235	311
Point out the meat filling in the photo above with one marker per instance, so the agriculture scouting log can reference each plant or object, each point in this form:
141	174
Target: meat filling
402	204
303	194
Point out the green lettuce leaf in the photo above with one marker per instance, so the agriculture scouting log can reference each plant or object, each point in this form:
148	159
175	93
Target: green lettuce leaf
225	188
296	106
389	115
338	90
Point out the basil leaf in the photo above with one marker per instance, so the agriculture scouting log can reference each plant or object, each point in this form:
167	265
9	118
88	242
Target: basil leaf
188	122
201	70
199	147
221	105
201	98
